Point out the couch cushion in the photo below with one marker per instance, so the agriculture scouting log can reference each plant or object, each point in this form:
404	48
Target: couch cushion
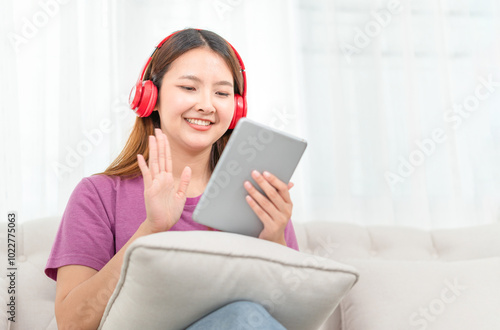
169	280
344	242
459	295
35	292
340	241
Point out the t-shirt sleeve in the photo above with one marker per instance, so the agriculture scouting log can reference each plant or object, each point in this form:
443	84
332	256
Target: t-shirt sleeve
85	235
290	238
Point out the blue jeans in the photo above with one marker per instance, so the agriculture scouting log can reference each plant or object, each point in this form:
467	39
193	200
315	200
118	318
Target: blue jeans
239	315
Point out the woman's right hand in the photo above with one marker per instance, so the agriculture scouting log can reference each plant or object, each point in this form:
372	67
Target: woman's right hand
164	202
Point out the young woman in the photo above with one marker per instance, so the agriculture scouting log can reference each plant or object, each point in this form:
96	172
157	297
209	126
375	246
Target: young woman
157	180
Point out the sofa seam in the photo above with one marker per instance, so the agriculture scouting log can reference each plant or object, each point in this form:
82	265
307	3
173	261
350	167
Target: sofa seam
51	320
372	243
250	257
341	306
431	234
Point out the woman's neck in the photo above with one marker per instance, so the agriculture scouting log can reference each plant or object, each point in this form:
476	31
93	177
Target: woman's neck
198	162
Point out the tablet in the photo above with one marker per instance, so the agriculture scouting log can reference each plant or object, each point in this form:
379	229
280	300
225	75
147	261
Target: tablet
252	146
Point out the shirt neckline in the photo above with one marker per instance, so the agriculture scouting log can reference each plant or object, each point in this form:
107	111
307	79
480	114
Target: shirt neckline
193	200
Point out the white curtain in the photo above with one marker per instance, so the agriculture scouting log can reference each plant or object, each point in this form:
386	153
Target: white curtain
401	104
398	99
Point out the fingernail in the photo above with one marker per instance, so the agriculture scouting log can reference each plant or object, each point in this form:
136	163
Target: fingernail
267	174
254	172
247	184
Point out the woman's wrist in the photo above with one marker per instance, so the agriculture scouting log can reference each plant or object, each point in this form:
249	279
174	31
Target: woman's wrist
282	241
145	229
276	239
148	228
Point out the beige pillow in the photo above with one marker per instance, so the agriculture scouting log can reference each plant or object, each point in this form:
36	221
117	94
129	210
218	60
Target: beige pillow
424	295
170	280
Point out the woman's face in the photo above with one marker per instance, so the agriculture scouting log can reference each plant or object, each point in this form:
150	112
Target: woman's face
197	99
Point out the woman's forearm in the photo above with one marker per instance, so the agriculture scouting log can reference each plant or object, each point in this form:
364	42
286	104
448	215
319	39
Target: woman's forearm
83	306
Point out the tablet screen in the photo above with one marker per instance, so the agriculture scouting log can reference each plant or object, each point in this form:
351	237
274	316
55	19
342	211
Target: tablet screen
252	146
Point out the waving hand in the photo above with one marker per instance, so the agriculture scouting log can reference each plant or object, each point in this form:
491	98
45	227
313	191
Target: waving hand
164	201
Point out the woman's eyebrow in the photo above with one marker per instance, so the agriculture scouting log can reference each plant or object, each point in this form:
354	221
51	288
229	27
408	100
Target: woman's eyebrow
194	78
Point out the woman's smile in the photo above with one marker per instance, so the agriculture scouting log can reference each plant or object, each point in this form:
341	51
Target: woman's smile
199	124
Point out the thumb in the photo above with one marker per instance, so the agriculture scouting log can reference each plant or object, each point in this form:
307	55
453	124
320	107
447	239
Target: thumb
290	185
185	179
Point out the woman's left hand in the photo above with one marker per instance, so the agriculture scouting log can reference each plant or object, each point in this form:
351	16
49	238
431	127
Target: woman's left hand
274	210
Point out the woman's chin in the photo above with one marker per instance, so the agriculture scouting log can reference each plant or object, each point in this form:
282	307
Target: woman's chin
198	144
200	141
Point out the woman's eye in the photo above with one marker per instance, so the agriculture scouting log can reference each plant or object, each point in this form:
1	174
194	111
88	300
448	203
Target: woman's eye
187	88
223	94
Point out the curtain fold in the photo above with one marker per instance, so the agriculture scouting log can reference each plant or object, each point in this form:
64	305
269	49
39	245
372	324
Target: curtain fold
10	180
398	100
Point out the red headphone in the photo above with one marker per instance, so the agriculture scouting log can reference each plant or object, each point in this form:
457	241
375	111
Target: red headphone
143	95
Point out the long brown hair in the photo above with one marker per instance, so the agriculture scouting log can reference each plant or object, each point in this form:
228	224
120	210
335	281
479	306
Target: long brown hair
125	165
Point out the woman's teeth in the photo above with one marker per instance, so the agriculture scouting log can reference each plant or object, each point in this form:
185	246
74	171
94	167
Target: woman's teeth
198	122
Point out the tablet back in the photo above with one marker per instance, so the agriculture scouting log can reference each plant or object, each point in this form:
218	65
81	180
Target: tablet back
252	146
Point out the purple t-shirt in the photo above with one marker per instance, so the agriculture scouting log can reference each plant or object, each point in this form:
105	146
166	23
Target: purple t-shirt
102	214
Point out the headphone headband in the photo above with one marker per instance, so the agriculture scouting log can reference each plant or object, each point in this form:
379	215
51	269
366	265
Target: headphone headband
151	56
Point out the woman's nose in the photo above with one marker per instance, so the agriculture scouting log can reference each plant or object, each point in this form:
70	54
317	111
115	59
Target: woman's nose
205	103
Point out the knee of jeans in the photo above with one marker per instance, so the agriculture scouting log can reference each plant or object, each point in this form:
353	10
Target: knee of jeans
247	306
250	315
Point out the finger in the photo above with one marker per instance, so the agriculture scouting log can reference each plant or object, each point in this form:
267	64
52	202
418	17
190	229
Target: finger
153	156
169	155
146	174
161	149
259	211
263	201
272	193
279	185
290	185
185	178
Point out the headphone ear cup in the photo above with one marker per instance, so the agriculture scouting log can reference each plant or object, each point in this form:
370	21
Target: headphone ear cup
240	110
135	95
148	99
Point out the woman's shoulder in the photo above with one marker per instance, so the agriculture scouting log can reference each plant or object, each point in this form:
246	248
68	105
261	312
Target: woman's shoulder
105	190
107	186
113	182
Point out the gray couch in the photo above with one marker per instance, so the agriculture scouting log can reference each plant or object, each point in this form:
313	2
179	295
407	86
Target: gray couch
409	278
